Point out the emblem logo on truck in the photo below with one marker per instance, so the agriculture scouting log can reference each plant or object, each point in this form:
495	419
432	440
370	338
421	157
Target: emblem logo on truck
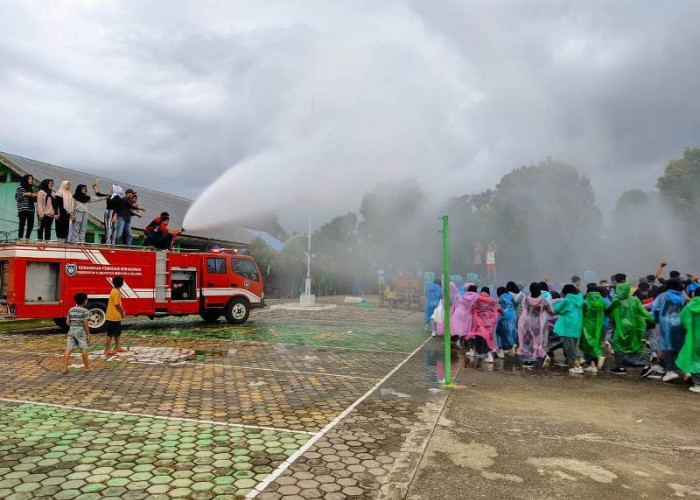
246	284
71	269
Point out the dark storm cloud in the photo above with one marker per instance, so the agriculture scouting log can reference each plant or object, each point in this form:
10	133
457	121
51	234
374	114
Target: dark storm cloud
346	94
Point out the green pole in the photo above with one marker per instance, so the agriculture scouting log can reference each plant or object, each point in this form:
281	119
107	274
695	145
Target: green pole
446	297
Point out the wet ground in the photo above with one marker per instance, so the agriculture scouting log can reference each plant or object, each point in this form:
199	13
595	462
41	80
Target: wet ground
333	404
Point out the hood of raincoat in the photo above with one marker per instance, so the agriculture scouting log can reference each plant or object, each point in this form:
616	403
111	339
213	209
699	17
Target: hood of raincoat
675	296
575	298
570	320
622	291
594	298
694	305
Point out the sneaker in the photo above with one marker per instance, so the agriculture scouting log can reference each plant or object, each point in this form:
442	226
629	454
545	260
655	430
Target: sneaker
601	362
576	369
528	365
489	358
695	388
547	360
646	371
500	353
471	353
590	369
619	371
670	377
433	334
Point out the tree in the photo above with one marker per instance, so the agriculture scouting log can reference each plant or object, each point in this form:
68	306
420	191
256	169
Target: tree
337	257
545	220
397	230
680	186
631	200
470	222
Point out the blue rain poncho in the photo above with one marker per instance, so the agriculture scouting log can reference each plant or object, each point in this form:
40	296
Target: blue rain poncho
432	298
666	309
507	327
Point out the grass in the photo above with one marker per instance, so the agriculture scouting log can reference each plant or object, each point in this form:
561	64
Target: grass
24	324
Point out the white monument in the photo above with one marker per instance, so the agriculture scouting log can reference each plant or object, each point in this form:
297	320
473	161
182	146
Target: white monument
306	299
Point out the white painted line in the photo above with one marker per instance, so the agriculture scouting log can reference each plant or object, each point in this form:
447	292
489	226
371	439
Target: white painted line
306	446
283	371
156	417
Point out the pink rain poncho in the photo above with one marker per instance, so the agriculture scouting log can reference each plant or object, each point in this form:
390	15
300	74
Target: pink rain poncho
454	300
484	318
461	319
532	328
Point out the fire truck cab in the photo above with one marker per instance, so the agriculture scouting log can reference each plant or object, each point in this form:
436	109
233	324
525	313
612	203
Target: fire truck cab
40	281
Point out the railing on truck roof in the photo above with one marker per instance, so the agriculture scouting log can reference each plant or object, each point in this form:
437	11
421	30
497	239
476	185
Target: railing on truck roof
55	244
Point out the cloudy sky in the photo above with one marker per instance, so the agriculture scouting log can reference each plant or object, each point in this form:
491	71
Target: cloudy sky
312	102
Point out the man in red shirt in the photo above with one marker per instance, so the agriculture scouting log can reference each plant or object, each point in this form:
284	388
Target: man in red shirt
161	236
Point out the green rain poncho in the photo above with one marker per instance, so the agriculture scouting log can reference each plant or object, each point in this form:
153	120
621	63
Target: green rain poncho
689	356
630	320
593	318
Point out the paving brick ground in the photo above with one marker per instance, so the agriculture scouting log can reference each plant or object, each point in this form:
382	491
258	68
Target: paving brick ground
211	411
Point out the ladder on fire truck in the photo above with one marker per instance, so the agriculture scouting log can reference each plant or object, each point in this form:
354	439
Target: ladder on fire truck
161	279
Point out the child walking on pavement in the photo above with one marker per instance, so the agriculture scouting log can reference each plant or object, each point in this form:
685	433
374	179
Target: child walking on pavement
115	313
78	333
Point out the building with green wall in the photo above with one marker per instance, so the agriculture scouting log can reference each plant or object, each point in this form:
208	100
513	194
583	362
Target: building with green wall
13	167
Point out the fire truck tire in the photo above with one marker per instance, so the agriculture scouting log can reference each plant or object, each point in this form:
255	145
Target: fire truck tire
237	311
210	315
98	316
62	324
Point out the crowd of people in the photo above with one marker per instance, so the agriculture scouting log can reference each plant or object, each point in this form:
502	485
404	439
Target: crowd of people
69	211
654	325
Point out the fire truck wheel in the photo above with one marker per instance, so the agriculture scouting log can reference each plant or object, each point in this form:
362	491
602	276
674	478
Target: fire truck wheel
62	324
98	316
237	311
210	315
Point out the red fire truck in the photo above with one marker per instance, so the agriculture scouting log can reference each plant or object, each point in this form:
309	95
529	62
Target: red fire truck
39	281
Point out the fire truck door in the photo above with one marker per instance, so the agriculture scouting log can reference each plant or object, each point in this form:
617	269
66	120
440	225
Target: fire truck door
216	282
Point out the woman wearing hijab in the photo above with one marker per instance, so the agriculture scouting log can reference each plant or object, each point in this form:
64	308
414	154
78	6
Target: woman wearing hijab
65	206
45	209
26	197
80	214
110	220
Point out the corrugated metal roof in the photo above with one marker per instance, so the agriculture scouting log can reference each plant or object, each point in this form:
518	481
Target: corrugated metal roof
155	202
269	240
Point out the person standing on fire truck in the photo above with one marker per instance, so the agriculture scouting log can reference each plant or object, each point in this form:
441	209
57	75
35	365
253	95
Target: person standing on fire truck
115	314
45	209
124	217
26	197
